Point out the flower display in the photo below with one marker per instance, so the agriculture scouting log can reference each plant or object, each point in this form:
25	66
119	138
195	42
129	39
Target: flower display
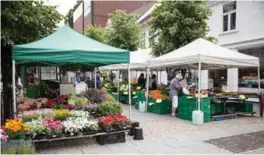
61	114
74	124
95	95
79	113
69	107
36	127
114	122
31	104
15	128
3	135
91	126
53	126
35	114
58	102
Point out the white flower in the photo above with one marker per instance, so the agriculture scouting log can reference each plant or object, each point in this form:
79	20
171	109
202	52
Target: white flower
79	113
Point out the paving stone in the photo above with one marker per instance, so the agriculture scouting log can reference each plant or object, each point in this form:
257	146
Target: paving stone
69	150
95	149
123	148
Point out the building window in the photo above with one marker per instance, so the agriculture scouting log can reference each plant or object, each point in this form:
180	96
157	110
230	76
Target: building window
48	73
229	16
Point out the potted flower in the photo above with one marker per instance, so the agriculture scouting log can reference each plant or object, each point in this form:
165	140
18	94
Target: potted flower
79	113
91	128
107	124
4	136
15	129
73	125
54	127
37	129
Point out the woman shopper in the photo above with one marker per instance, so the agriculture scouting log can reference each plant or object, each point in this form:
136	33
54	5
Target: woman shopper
175	89
141	80
153	82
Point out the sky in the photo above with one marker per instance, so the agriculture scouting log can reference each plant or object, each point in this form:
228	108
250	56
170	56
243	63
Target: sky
63	6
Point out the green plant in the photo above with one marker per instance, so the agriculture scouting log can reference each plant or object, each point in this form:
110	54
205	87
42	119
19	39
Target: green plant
26	148
61	114
110	108
22	148
10	149
109	98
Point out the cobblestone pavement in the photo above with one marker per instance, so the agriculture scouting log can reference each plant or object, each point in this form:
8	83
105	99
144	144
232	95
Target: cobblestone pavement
165	134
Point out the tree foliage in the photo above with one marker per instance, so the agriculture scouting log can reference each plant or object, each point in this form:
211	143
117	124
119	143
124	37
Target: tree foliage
177	23
69	16
97	33
27	21
124	31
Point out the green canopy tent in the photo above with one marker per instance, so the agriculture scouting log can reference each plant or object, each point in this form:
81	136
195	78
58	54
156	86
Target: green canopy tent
66	46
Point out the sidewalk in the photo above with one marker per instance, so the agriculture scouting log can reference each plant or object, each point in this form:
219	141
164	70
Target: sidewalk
165	134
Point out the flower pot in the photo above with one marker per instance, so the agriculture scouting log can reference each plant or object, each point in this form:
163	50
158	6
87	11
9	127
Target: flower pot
89	132
71	134
53	136
37	137
108	130
16	141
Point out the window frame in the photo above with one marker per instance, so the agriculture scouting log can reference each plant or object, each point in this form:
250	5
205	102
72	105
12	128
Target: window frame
229	13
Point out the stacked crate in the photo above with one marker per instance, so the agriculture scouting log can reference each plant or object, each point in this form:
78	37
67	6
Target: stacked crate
188	105
216	108
164	107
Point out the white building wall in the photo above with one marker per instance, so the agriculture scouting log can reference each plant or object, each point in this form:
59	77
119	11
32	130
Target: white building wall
249	24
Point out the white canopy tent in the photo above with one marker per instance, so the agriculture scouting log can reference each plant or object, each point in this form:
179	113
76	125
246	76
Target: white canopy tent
138	61
207	55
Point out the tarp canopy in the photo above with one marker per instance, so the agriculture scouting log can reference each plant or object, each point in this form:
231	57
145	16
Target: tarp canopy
211	56
68	46
138	60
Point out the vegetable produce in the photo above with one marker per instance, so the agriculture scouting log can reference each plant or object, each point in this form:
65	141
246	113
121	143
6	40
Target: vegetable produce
156	94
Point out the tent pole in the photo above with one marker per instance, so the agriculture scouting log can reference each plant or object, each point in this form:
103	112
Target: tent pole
259	91
129	92
14	88
199	85
118	74
95	79
147	90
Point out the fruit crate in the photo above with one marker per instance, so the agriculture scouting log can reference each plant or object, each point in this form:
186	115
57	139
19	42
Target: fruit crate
164	107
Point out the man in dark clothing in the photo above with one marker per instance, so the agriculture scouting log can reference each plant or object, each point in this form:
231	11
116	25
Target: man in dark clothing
98	81
141	80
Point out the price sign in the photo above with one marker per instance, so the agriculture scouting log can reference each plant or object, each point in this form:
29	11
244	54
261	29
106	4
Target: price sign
138	88
125	93
158	100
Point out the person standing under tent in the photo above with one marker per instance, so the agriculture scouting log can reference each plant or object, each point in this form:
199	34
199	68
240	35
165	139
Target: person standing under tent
153	82
141	80
98	81
175	89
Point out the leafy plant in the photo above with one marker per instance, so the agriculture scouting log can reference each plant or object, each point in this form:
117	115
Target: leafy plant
109	98
35	114
22	148
110	108
61	114
95	95
15	129
36	127
26	148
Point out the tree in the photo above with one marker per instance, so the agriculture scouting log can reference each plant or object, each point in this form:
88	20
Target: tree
124	31
69	16
97	33
27	21
177	23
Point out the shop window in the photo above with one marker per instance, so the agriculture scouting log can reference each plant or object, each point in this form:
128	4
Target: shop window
48	73
229	16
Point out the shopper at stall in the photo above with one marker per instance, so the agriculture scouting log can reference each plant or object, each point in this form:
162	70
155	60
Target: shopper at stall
153	82
98	81
141	80
175	89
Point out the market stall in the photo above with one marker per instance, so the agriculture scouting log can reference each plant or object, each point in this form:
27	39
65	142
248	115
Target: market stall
201	54
89	113
138	62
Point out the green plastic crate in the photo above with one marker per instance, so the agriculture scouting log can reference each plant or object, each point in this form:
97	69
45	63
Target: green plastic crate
159	108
